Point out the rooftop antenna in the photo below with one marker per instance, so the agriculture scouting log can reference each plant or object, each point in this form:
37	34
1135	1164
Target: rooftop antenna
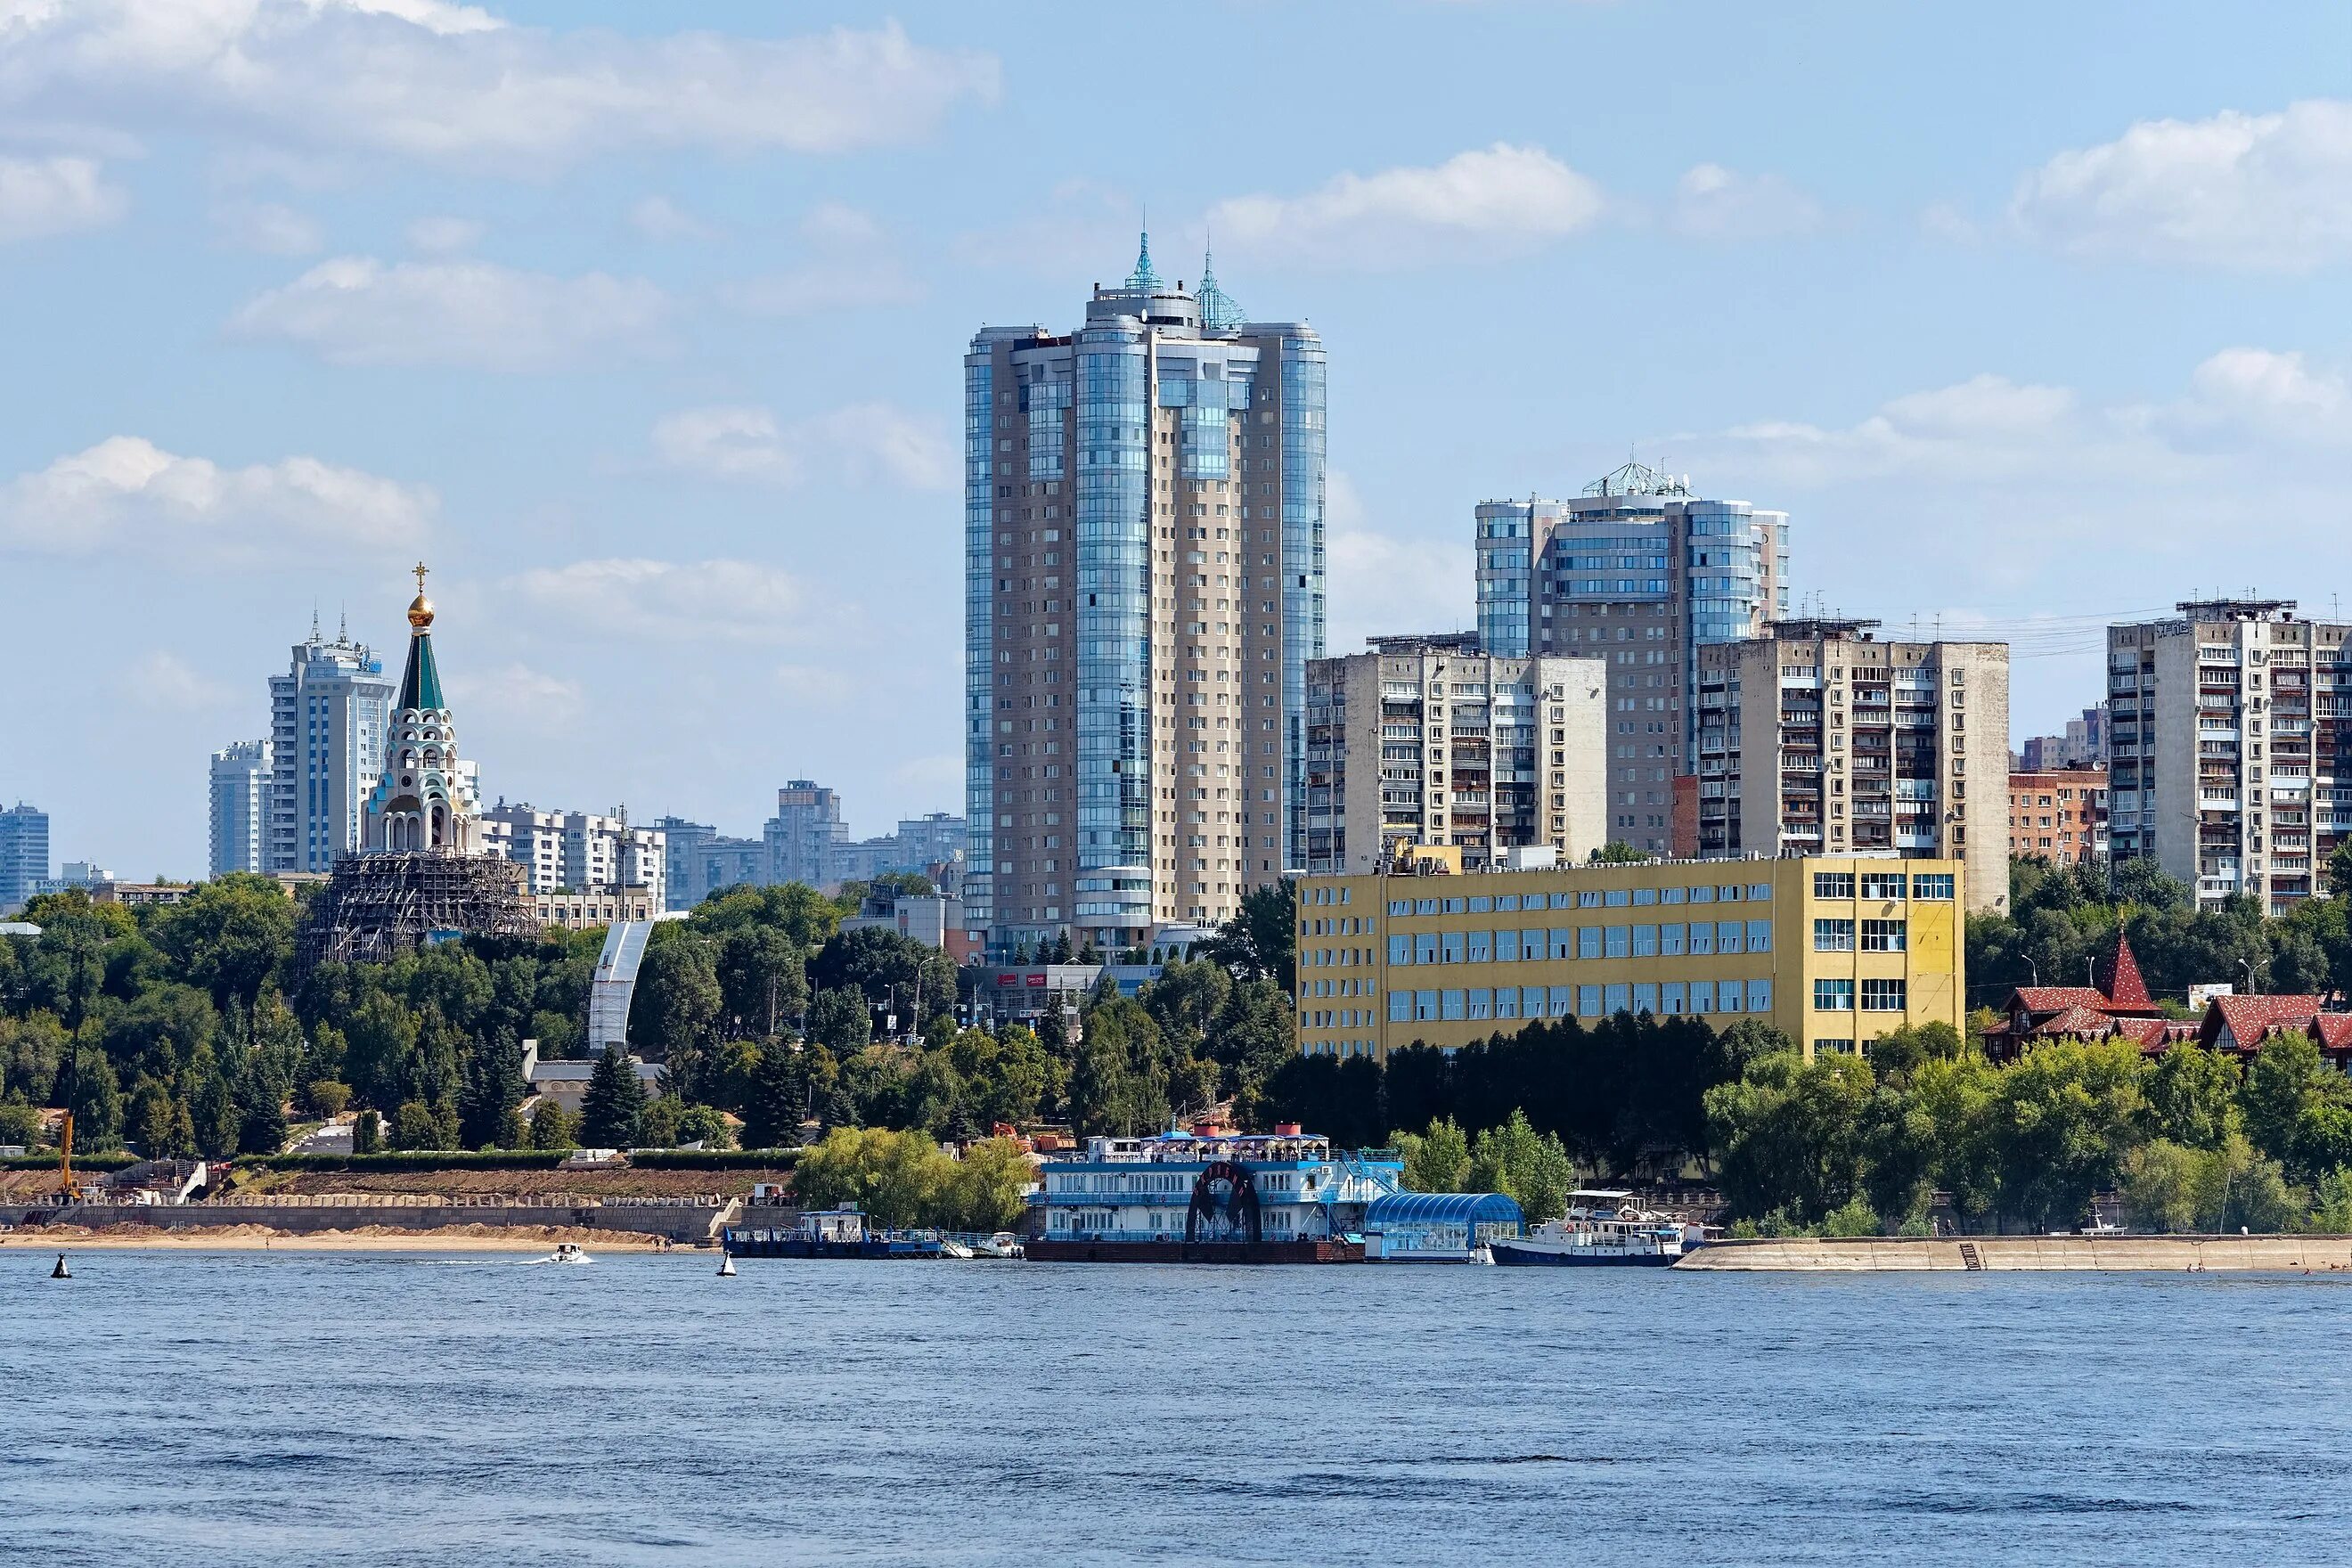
314	620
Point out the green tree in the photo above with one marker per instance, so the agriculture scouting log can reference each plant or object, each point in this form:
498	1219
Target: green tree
2068	1116
658	1129
677	1003
1617	852
367	1132
493	1088
777	1100
895	1178
838	1020
2287	1078
20	1124
415	1126
1789	1135
228	936
214	1106
762	980
326	1099
988	1192
615	1109
553	1128
2162	1185
2192	1096
1440	1162
1260	942
705	1125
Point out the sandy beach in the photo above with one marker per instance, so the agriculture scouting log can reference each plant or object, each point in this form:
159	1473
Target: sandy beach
70	1238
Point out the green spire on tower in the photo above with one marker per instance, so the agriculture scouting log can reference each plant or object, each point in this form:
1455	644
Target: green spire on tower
1219	309
1143	276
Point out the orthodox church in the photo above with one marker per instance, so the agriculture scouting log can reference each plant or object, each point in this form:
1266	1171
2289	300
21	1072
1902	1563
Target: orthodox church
427	872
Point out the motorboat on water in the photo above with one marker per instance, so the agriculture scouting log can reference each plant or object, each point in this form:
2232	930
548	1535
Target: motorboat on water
950	1248
1004	1243
565	1252
1601	1227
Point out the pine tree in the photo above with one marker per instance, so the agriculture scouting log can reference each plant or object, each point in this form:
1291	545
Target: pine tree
493	1086
778	1099
615	1105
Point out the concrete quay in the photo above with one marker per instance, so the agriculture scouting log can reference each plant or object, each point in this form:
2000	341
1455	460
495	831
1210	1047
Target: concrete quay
2029	1254
686	1223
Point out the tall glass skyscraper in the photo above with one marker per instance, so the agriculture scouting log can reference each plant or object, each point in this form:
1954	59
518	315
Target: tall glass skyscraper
329	718
1143	527
24	853
1643	572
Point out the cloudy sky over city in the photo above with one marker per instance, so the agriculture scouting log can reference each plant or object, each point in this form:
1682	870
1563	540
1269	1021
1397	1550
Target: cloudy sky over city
643	325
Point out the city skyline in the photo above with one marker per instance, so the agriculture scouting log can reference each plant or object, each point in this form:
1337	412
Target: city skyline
648	384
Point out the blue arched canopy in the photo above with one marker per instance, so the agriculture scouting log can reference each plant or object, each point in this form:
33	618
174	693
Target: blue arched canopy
1467	1209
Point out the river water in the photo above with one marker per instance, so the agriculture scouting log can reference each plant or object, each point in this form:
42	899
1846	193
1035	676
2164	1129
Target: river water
202	1409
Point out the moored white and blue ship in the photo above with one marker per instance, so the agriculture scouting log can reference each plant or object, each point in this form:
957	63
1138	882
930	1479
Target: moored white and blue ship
1284	1197
1602	1229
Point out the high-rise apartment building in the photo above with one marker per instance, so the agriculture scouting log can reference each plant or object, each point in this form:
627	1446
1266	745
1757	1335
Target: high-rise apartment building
802	833
2231	762
1143	527
2059	813
240	806
1643	572
23	854
1818	739
329	718
2083	745
577	851
1427	740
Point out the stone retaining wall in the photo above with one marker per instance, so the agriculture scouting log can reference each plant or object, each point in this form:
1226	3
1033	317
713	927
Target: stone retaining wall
2167	1253
686	1223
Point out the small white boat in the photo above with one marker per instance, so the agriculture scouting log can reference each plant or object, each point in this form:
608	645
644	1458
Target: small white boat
1004	1243
727	1266
565	1252
1601	1227
950	1248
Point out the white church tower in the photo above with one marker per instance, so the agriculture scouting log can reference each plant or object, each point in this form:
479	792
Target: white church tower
428	799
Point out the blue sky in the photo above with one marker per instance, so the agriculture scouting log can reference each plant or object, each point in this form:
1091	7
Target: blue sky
644	326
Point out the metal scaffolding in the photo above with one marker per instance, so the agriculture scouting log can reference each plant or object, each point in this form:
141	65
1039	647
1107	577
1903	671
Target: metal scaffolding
378	906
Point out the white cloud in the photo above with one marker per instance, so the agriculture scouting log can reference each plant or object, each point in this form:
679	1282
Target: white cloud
445	236
2258	192
1499	200
1712	202
1383	584
659	217
44	196
128	496
420	78
863	443
359	310
727	443
166	683
269	228
851	267
701	601
517	698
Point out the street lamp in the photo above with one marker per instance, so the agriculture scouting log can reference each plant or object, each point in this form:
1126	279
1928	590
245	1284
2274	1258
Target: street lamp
2247	964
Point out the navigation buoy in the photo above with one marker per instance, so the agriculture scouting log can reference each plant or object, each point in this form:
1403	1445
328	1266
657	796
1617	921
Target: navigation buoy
727	1266
62	1271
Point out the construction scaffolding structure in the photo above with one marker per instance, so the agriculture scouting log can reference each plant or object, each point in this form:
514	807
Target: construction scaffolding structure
378	906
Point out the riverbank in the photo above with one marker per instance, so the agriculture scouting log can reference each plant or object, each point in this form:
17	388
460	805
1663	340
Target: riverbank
2030	1254
70	1238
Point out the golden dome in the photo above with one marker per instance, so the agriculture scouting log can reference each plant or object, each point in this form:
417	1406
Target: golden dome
420	611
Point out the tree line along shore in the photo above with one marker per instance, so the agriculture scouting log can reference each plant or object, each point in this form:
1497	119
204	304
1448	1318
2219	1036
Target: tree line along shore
185	1037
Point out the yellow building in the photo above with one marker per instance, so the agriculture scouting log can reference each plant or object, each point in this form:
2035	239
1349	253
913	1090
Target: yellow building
1832	950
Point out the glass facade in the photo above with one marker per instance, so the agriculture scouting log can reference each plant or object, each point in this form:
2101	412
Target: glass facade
1113	614
978	624
1144	587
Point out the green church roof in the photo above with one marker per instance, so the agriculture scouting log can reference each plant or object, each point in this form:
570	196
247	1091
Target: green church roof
420	684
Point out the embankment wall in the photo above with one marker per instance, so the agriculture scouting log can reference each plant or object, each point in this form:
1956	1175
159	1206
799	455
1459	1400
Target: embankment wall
686	1223
2164	1254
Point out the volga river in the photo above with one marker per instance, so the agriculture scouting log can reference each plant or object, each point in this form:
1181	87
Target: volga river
273	1408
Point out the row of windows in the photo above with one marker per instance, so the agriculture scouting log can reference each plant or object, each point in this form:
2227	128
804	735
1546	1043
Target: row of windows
1877	996
1937	885
1536	944
1587	899
1877	936
1669	999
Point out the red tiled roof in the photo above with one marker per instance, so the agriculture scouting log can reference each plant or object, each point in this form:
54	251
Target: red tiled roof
2124	986
2153	1034
2248	1018
2080	1023
2333	1031
2057	998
